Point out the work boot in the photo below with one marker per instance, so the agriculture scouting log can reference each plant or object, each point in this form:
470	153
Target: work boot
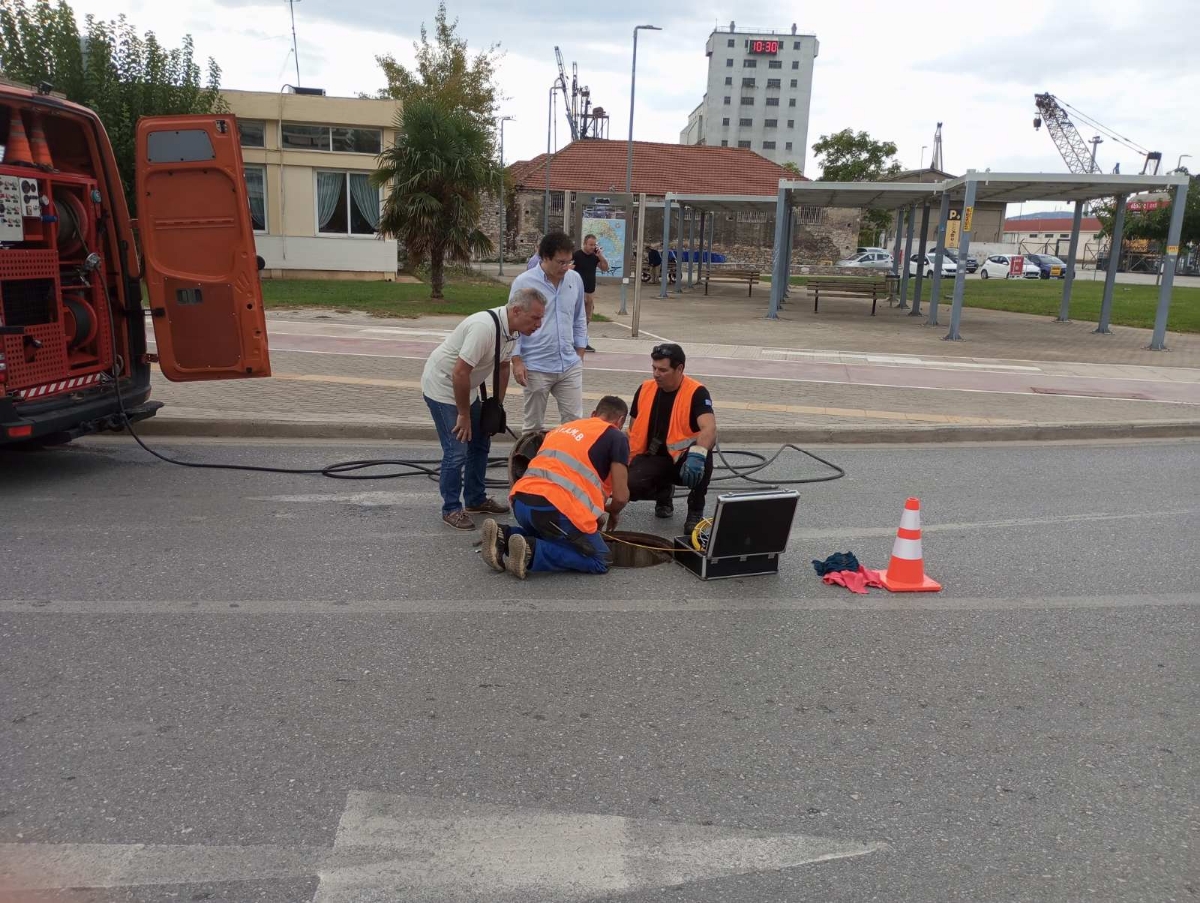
664	510
692	522
520	556
495	543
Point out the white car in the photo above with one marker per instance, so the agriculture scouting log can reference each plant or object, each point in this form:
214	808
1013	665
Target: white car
949	267
871	259
1000	266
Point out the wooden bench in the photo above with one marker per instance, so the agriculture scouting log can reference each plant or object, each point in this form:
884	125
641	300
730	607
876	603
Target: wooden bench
847	287
732	274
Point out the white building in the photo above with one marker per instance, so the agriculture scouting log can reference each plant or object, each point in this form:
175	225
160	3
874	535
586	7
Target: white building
308	162
758	94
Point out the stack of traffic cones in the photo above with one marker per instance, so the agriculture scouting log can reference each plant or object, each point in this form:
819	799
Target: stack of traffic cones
17	149
37	142
906	570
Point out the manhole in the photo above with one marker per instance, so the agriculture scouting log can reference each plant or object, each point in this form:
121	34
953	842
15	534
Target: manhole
637	550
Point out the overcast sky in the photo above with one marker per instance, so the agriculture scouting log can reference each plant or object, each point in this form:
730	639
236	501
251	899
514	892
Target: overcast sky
893	69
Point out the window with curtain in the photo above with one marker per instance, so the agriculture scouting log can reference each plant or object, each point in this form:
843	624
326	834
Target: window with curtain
252	132
347	204
256	191
332	138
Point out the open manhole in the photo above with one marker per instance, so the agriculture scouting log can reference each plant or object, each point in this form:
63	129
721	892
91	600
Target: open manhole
637	550
629	548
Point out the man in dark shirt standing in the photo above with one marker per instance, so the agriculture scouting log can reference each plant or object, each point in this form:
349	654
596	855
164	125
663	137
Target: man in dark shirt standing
672	432
587	260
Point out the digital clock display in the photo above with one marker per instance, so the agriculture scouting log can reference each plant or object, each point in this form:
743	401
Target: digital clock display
764	46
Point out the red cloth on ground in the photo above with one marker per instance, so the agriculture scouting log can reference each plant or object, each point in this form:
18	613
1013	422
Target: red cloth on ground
855	581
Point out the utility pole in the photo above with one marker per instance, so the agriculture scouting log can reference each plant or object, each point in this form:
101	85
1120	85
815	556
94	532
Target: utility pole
295	52
503	119
1097	140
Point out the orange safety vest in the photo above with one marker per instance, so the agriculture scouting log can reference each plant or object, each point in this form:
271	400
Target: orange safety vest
679	431
562	473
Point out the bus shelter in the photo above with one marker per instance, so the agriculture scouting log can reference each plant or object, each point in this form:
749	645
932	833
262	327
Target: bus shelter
963	194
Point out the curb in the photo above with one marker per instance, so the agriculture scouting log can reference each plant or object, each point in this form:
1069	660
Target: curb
217	428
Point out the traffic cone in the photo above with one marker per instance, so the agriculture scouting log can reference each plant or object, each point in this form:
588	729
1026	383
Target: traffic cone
37	143
17	150
906	570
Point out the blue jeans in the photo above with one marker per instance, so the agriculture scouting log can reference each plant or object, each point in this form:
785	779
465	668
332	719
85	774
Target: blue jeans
457	455
559	545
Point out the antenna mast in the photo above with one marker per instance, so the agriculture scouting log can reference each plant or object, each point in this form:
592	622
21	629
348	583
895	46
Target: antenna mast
295	52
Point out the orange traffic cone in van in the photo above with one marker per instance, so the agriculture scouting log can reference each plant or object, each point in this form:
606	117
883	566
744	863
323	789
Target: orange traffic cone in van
37	143
17	149
906	570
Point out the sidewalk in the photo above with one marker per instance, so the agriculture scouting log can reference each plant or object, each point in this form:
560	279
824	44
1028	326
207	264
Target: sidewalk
892	380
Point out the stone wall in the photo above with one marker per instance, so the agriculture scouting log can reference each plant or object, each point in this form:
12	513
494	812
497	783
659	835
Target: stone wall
825	235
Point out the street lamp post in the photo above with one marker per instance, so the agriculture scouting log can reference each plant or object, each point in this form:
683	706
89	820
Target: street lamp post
1097	140
1179	162
503	119
629	156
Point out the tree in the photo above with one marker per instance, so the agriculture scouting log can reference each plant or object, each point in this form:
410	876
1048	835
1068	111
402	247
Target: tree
791	167
439	169
1154	224
120	75
447	73
849	156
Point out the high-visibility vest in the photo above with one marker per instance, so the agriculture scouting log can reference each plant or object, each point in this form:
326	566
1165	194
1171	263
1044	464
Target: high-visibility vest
563	474
679	431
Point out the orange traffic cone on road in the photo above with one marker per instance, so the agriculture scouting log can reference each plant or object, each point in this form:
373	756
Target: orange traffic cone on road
906	570
37	143
17	149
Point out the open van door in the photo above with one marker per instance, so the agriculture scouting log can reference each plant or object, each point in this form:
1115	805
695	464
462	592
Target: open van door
198	256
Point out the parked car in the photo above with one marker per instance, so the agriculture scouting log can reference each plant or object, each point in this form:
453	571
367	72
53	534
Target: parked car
949	267
972	262
873	260
999	266
866	250
1049	266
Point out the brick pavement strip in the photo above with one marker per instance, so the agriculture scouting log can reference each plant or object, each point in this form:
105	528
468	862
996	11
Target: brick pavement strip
380	397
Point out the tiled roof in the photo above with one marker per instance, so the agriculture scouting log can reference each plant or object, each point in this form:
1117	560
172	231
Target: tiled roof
1049	224
598	165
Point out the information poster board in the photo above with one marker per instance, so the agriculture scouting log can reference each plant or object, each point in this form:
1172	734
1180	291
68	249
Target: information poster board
608	217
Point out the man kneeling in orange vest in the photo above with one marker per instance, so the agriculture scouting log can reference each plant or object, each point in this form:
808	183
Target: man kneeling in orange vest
580	472
673	429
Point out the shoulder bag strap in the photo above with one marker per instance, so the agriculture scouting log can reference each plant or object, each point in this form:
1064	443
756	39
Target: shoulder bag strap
496	364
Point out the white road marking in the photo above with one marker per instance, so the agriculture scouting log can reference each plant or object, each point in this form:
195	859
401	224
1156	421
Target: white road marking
504	600
642	331
843	357
390	848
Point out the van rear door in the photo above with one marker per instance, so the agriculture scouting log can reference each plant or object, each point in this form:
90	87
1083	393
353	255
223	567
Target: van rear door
198	254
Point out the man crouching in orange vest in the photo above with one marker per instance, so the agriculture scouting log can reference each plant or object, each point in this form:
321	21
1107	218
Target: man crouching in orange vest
673	429
580	472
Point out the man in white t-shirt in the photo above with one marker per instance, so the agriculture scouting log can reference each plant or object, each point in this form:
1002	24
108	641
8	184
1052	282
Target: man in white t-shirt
453	374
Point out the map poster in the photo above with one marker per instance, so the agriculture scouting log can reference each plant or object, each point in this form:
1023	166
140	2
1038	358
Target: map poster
608	225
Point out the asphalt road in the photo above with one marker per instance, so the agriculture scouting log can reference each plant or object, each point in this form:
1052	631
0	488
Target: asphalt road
232	686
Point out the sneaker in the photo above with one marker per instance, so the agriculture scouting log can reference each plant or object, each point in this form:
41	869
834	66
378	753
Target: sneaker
520	555
664	510
458	520
494	545
588	348
692	522
488	506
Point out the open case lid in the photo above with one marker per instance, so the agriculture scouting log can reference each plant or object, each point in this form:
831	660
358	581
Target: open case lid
752	523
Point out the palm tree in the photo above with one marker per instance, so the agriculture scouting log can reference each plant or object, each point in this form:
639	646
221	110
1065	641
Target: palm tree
439	170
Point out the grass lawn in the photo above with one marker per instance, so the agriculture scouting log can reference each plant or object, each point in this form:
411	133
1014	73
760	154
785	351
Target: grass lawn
387	299
1133	305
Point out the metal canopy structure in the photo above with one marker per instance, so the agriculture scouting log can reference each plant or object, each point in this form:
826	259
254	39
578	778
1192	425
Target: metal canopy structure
963	194
1018	187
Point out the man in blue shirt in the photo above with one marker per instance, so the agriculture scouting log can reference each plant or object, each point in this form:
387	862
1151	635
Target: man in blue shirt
550	362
